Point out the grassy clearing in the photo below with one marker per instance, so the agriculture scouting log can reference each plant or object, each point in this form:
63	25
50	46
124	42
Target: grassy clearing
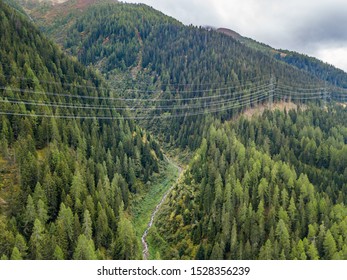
143	207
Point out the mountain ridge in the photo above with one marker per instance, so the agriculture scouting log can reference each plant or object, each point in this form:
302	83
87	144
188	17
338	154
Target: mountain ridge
311	65
320	69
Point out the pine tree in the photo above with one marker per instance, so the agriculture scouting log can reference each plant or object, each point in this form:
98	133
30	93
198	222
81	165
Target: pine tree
29	215
329	245
102	225
200	254
37	241
21	245
125	243
16	255
283	237
233	240
217	252
58	253
266	251
87	225
85	249
42	212
313	252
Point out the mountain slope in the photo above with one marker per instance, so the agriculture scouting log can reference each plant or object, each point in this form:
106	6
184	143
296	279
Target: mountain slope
70	163
152	56
271	187
323	71
312	65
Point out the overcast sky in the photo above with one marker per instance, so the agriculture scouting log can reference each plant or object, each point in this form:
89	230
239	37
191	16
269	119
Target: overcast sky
314	27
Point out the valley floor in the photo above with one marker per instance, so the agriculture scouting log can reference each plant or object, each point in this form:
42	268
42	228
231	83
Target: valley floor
146	207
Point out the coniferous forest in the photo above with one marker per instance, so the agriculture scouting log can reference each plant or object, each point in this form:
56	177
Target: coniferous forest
105	107
63	177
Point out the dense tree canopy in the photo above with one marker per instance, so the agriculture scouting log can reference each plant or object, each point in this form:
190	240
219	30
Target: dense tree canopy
272	187
72	161
73	174
149	55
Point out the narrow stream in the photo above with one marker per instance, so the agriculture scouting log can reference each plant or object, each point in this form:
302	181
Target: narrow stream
145	252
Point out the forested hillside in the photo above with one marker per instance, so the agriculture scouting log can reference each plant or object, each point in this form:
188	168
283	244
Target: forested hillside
69	164
312	65
152	56
270	187
77	171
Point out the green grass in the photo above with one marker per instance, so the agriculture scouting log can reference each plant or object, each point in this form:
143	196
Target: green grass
145	204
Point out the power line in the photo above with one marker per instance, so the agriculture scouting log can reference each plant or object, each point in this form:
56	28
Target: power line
201	105
301	98
294	93
110	107
122	99
216	110
308	87
129	90
252	80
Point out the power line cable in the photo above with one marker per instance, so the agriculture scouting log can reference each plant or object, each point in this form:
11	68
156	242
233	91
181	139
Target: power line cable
119	98
259	79
219	109
110	107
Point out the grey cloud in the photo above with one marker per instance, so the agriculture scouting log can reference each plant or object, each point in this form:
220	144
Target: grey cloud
327	27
